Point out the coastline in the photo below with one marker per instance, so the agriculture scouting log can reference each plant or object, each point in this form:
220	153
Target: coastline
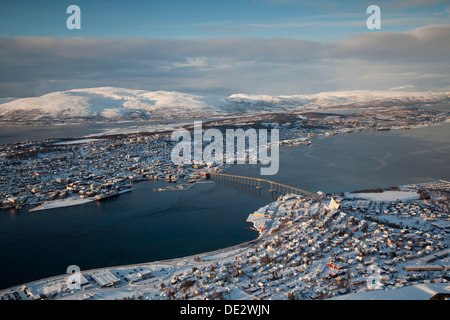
67	202
179	260
203	258
165	270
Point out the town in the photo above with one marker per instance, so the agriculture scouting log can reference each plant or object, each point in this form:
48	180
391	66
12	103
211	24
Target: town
309	247
313	248
38	172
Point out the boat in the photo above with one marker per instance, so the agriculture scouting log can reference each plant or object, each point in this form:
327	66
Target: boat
107	195
192	181
308	143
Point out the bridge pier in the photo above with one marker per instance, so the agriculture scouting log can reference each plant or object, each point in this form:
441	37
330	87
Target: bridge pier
256	183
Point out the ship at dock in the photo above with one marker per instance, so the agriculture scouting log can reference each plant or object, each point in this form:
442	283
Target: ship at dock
107	195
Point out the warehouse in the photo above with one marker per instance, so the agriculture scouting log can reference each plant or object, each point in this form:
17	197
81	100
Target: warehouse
105	279
143	274
82	280
423	268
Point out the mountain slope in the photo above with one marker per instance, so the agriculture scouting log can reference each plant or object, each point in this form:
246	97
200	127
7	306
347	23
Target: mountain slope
119	104
339	99
104	104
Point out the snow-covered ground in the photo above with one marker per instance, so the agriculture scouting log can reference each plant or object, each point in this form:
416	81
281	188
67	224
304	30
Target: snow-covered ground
70	201
75	141
422	291
106	103
387	195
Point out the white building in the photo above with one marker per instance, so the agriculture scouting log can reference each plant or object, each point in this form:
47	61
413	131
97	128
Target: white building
105	279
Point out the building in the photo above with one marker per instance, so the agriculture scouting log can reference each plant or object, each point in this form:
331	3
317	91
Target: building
105	279
423	268
333	204
82	283
145	273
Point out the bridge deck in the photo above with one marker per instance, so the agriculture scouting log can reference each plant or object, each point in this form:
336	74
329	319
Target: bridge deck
250	180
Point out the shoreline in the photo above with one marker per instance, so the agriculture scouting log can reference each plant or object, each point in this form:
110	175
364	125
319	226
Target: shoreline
222	254
205	258
298	141
68	202
145	263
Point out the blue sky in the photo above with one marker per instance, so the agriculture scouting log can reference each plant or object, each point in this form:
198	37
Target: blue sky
199	19
223	47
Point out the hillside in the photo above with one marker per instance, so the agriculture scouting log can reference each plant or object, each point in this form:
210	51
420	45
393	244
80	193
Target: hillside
106	104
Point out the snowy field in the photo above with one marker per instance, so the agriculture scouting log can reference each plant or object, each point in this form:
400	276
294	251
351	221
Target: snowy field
71	201
75	141
417	292
385	195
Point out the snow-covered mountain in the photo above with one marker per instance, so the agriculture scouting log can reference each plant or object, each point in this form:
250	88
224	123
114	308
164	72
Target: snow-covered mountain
103	104
118	104
331	100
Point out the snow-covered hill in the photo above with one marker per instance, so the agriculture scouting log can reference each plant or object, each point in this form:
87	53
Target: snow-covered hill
103	104
339	99
118	104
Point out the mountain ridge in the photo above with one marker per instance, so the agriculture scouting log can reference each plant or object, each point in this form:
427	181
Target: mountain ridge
105	104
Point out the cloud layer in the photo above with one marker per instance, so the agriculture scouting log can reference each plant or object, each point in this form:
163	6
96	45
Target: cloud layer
417	59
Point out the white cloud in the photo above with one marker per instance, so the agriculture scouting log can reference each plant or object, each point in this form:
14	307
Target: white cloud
380	60
192	62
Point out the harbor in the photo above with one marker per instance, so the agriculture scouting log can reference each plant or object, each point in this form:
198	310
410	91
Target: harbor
134	227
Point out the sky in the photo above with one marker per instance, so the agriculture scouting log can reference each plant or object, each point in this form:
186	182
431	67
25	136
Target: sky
223	47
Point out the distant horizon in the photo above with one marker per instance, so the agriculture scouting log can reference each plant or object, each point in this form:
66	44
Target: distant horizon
203	94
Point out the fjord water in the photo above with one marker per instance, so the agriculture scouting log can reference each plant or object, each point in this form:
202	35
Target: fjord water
144	225
140	226
14	134
355	161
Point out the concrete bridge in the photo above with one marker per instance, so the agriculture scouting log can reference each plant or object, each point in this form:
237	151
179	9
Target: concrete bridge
257	183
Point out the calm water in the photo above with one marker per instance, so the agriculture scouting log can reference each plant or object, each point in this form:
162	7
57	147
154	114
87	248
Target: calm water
139	226
144	226
355	161
15	134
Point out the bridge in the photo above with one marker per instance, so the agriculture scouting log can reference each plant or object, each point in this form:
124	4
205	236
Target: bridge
258	183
